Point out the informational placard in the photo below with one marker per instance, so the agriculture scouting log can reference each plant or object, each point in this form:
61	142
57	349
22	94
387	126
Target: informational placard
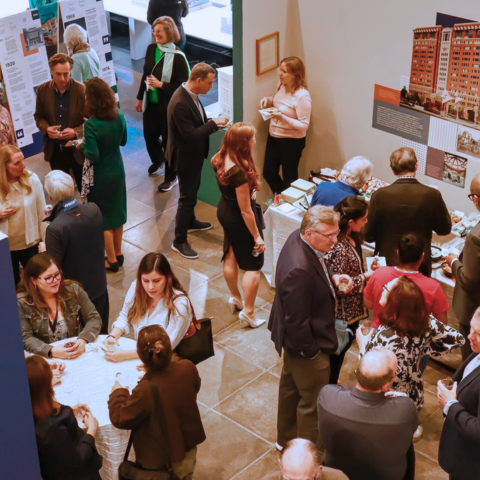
446	167
48	12
90	15
24	63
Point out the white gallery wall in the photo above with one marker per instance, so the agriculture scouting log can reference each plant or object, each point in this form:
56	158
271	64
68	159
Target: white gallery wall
347	47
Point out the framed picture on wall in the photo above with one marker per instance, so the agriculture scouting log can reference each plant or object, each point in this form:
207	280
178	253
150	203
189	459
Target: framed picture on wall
268	53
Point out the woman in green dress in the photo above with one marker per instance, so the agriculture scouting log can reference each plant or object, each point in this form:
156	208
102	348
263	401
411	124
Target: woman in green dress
105	132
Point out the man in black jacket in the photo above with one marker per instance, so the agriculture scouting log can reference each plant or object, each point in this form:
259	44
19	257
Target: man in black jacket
302	322
187	148
466	269
74	239
406	206
460	441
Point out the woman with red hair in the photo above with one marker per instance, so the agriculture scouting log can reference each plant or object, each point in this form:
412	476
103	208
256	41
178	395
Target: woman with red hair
64	449
243	244
408	330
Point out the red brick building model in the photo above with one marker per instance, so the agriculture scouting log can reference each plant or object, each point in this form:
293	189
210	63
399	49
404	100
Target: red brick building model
445	71
425	56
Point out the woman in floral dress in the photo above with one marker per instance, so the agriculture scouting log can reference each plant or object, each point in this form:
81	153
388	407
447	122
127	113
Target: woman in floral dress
407	330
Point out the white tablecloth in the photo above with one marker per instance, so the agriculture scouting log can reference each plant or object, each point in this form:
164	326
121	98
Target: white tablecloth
93	378
283	220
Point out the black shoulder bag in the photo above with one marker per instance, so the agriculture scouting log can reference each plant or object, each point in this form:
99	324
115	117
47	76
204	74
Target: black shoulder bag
132	471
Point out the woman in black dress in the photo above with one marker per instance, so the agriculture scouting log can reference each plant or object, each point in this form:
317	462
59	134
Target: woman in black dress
243	245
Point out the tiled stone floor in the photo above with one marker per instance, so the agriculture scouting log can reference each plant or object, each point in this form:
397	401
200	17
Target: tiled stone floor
238	399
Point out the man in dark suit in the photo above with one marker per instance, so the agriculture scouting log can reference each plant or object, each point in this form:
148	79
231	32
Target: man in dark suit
74	238
466	269
187	147
460	442
406	206
367	434
302	322
59	115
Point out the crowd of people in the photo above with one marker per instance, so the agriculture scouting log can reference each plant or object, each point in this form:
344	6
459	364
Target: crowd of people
324	294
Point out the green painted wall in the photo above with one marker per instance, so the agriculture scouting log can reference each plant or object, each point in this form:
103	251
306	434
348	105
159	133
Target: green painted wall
209	191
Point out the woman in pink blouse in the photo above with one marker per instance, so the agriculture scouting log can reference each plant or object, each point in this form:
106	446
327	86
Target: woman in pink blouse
288	127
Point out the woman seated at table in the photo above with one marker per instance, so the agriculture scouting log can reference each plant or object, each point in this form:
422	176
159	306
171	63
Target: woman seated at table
156	297
408	330
64	449
177	384
53	309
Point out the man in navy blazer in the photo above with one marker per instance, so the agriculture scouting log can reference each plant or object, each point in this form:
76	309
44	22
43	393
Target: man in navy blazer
302	322
459	453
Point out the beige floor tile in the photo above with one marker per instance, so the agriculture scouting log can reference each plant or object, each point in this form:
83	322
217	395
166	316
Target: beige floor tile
255	406
135	173
433	373
228	449
261	468
432	431
154	235
427	469
347	374
137	213
430	406
277	369
224	374
253	344
142	157
133	255
148	194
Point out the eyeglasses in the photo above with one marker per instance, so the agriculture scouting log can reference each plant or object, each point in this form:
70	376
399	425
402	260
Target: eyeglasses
386	288
332	235
51	278
470	197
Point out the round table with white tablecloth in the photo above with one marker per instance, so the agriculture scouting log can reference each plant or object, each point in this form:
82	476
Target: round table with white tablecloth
89	379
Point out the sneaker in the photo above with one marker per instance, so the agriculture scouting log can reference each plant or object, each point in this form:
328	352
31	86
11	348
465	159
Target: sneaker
198	226
167	186
185	250
418	434
153	168
278	447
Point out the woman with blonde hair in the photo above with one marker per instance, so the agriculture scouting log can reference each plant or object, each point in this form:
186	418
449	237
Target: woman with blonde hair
156	297
22	207
243	244
86	63
64	449
288	127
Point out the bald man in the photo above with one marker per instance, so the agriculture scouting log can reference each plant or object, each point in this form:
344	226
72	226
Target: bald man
466	269
367	433
299	461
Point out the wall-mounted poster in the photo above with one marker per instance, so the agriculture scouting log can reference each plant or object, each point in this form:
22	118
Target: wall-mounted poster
447	167
268	53
48	10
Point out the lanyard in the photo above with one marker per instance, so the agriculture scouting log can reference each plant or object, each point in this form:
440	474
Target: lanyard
53	326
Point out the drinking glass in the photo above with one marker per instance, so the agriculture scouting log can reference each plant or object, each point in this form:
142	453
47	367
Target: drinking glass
110	344
447	383
343	285
366	326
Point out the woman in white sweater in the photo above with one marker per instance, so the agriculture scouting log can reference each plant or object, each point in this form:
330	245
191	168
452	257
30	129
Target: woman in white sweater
156	297
22	207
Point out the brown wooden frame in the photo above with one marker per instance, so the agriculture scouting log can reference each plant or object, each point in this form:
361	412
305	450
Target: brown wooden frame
259	41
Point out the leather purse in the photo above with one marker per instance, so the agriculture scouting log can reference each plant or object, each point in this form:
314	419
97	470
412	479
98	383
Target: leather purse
197	344
132	471
342	331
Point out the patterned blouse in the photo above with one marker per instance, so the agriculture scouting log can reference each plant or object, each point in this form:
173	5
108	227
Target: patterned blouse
409	350
344	259
7	132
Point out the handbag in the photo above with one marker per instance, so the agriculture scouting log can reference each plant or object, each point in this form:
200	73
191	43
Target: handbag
132	471
261	218
197	344
342	331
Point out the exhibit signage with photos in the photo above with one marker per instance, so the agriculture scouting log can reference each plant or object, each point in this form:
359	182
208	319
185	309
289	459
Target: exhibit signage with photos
436	110
49	19
24	63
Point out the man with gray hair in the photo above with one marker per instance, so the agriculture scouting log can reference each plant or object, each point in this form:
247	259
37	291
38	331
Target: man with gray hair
355	174
302	322
368	432
74	238
300	460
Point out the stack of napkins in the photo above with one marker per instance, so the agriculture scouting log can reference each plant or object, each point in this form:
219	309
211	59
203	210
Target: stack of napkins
267	113
291	195
307	187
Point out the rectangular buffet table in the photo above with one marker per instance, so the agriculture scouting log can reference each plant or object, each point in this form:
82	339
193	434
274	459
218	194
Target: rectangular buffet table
283	220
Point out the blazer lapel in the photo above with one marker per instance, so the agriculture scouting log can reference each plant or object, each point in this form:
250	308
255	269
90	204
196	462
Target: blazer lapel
72	103
317	265
51	104
470	377
193	104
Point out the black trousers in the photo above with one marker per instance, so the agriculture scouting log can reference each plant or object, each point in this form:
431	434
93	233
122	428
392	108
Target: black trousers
22	257
466	349
103	308
410	473
336	361
189	183
285	153
155	126
65	161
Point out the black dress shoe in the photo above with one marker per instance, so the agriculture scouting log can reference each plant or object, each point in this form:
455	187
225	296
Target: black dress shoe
120	260
167	186
153	168
113	267
185	250
198	226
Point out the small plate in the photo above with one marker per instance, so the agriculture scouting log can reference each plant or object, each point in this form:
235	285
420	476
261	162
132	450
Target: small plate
436	253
